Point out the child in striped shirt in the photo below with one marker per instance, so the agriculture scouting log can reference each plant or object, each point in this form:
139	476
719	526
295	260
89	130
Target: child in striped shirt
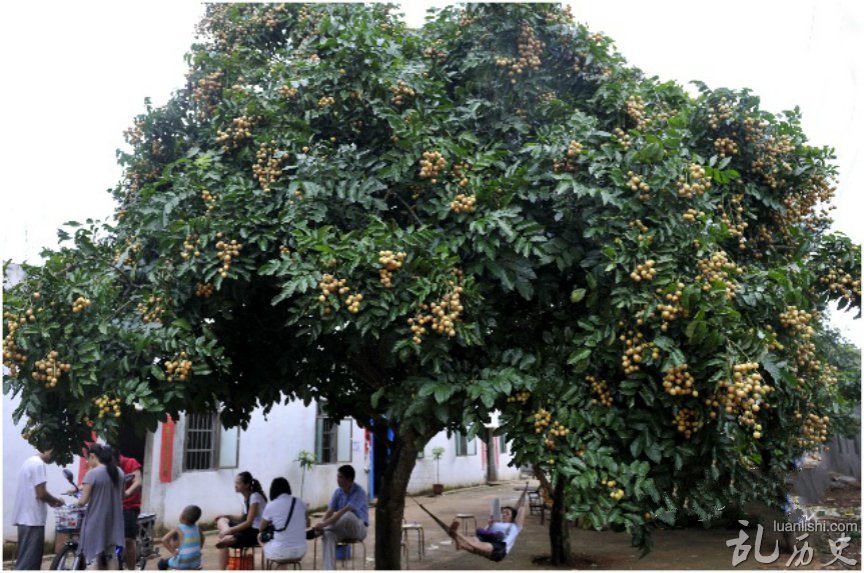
184	541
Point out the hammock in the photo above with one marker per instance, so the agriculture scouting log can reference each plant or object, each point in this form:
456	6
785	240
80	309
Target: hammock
446	527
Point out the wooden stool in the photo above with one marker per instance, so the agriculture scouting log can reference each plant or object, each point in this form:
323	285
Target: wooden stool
464	517
421	538
12	540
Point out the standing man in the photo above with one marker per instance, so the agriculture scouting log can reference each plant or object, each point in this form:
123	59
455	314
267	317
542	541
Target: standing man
31	510
347	516
131	505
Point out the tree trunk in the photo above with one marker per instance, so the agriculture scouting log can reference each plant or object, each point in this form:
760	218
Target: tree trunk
391	503
559	530
491	468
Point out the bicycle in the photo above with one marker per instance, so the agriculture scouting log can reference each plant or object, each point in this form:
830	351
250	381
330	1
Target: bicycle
69	519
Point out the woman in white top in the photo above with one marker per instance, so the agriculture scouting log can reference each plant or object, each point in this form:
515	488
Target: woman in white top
287	515
241	530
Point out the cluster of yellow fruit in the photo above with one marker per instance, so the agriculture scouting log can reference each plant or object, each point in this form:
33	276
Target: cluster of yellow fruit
814	431
719	113
573	150
840	282
690	215
30	315
391	261
152	311
190	247
459	172
542	419
207	89
687	422
556	431
331	285
547	97
521	396
11	353
401	91
798	321
179	369
754	129
617	493
442	315
718	268
696	186
769	159
635	183
636	345
284	250
643	231
601	389
671	311
227	253
622	138
287	91
435	54
431	165
530	50
326	101
268	167
52	369
353	302
463	203
725	147
636	111
80	304
204	290
135	134
107	406
597	39
745	396
679	382
209	199
736	229
644	271
240	129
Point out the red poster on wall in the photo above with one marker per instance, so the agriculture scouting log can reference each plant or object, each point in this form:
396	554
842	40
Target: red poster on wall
167	451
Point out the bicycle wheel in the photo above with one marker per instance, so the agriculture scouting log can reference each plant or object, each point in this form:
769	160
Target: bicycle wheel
65	559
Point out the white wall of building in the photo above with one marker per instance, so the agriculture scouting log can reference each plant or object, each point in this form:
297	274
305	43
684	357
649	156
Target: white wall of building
269	449
15	451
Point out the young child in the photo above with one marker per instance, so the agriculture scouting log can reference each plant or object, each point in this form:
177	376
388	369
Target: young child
184	541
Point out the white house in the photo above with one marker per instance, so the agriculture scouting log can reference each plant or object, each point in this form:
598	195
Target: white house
195	460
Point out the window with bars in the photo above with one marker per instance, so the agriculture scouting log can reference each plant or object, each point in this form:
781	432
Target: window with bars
502	442
464	446
332	439
209	446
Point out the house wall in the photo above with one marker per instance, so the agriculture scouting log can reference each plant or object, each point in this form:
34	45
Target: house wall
269	448
15	451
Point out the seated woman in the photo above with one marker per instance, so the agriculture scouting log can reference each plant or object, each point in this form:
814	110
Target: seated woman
287	515
496	541
241	530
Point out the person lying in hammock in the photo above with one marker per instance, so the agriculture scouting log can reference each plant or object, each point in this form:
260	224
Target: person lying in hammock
496	541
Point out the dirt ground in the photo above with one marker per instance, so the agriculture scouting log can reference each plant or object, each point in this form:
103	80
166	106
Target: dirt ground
674	549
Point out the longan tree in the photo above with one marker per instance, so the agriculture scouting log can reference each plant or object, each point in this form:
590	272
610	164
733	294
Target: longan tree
421	226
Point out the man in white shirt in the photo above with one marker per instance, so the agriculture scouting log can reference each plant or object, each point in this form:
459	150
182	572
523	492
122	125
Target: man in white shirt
31	510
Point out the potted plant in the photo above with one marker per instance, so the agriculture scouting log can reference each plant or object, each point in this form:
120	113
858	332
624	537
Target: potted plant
437	487
306	460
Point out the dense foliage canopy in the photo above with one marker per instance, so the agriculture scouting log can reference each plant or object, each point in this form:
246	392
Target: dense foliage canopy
421	226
